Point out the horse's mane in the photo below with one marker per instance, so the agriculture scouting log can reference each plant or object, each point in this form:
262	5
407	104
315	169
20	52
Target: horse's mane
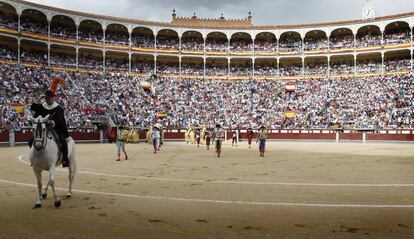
53	133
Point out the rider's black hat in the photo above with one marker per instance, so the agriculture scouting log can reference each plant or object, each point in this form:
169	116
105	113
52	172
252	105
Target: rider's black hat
49	93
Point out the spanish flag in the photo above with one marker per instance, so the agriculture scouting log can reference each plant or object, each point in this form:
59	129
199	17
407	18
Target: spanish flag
291	87
19	108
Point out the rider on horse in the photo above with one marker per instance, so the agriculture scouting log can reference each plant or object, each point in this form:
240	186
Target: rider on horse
56	120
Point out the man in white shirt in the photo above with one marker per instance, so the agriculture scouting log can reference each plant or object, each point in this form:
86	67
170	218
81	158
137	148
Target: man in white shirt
155	137
218	137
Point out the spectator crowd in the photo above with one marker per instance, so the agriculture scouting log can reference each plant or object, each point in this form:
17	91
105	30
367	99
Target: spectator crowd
378	102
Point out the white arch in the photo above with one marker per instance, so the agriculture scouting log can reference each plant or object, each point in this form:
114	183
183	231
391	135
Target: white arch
176	60
216	57
311	30
325	57
291	58
225	34
167	28
65	15
368	25
36	41
91	49
190	30
234	32
241	58
368	53
397	50
9	36
64	46
386	24
339	28
208	31
54	14
342	55
295	31
101	22
114	52
198	57
265	58
143	54
260	32
107	23
146	27
87	19
46	14
115	23
12	4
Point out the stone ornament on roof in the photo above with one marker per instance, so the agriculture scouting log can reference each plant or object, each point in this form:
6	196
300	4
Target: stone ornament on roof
194	21
368	12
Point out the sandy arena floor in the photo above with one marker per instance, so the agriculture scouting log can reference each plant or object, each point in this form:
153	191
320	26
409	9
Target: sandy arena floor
299	190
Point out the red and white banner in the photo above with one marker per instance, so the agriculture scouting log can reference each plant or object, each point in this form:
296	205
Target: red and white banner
291	87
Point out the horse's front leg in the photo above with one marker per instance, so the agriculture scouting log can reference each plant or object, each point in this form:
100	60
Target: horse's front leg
38	174
52	172
44	194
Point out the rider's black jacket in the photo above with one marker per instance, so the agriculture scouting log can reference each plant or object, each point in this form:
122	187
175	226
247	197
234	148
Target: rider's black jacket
56	114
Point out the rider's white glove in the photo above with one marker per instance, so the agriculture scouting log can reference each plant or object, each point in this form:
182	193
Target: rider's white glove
51	122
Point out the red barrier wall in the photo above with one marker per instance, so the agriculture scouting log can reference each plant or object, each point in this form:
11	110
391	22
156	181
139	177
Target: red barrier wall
302	136
85	136
351	136
396	136
313	136
391	137
24	137
4	136
174	136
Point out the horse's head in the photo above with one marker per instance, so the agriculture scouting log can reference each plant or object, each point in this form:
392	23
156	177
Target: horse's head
39	125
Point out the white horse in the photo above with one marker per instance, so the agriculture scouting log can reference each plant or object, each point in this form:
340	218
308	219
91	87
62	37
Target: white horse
44	155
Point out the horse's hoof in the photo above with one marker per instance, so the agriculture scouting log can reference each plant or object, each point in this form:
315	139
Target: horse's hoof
68	196
44	195
37	205
58	204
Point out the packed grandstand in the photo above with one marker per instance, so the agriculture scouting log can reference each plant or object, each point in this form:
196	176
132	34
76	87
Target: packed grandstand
352	74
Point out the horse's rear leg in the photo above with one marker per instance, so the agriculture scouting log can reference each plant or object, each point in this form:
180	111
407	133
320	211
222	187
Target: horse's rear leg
52	172
72	173
38	174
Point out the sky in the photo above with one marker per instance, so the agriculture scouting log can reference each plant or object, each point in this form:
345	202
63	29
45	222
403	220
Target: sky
264	12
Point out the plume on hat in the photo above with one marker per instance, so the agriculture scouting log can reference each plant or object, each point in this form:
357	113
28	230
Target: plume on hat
55	82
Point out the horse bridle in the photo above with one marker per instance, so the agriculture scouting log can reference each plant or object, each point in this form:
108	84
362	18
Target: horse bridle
41	130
